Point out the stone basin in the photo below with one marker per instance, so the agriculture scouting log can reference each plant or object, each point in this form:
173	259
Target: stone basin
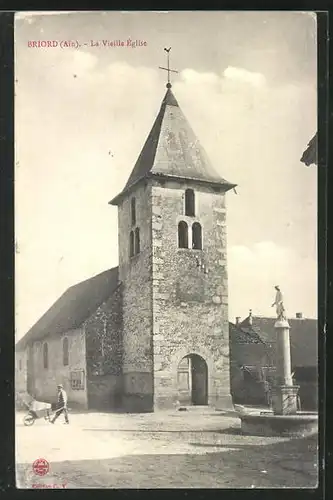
267	424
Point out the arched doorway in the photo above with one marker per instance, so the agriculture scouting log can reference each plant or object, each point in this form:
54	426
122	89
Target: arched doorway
192	377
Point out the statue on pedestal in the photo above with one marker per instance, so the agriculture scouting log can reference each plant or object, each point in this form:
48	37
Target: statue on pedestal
278	303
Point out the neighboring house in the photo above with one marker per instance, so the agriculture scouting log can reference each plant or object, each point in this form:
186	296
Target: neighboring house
251	364
309	156
253	351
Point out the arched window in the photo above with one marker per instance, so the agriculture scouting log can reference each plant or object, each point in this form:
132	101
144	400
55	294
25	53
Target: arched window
131	244
137	240
133	211
196	236
45	355
182	235
65	352
189	203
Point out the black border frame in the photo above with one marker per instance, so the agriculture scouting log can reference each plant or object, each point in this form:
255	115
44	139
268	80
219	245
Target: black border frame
7	315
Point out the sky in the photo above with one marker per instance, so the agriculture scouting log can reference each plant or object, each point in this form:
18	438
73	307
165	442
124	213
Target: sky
247	84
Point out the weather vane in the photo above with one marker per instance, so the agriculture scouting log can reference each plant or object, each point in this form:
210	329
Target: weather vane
168	67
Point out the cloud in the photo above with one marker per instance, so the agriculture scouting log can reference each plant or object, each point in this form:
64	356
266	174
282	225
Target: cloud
243	75
83	61
192	77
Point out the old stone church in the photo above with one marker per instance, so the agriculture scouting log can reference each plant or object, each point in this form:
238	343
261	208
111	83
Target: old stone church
153	332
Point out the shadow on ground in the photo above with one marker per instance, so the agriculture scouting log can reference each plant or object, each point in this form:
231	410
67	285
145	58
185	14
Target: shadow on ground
288	464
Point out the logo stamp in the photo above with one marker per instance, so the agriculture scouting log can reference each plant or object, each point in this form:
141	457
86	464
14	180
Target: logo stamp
40	467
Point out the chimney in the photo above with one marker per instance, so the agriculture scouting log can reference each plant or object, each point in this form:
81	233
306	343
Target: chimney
250	317
237	320
299	315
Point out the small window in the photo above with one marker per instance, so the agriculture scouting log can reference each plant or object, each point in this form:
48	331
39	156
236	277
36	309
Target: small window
131	244
46	355
196	236
77	380
189	203
65	352
137	240
182	235
133	211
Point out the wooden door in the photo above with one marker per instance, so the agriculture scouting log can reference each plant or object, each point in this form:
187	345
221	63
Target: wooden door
199	381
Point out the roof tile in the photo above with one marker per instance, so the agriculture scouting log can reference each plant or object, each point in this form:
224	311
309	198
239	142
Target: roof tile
303	337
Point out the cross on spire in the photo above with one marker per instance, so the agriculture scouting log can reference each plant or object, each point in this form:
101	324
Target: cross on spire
168	67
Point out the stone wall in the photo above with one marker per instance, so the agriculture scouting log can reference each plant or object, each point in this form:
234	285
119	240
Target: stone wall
104	392
45	380
21	371
190	292
136	278
104	354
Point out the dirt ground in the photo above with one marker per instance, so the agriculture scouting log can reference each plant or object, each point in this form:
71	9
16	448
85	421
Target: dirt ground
160	450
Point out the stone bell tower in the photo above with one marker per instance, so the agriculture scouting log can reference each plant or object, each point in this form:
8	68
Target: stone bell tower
173	266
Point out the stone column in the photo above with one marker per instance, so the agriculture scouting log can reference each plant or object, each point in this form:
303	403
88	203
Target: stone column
284	393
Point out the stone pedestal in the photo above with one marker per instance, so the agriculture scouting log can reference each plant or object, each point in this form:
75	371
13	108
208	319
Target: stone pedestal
284	399
283	358
284	394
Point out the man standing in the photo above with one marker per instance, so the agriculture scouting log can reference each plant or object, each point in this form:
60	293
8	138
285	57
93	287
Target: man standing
62	405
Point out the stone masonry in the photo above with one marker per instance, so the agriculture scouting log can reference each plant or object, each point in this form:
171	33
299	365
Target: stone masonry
103	333
135	273
190	307
21	371
171	307
45	380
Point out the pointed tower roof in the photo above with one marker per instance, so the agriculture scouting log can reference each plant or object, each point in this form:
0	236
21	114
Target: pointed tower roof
173	151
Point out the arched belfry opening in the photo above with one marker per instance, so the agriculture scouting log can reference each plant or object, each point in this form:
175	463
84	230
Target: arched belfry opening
192	379
182	235
189	203
197	236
